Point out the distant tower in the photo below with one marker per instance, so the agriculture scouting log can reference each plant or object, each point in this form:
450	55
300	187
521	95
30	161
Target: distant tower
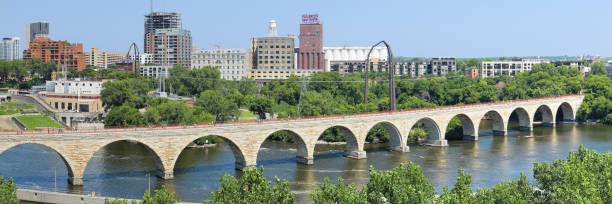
272	29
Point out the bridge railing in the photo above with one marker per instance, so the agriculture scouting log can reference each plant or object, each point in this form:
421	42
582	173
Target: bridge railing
274	121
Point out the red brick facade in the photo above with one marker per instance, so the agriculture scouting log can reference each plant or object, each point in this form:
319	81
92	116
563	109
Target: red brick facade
311	55
57	52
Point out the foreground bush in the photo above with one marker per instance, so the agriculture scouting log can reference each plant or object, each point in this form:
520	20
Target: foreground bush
160	196
252	187
8	191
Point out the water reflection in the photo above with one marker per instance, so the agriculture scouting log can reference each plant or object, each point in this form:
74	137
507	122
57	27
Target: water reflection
121	169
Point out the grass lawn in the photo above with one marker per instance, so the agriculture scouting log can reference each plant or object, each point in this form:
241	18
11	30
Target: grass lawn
12	108
38	121
246	114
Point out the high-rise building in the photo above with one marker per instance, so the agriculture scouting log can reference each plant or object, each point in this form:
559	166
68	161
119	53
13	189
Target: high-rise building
33	29
102	59
9	49
59	52
310	54
160	20
232	63
170	47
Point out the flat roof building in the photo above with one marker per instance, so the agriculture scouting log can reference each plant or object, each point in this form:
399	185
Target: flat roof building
58	52
10	49
506	67
310	53
232	63
170	46
102	59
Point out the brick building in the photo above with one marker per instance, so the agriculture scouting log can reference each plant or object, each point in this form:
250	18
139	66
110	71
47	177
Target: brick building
58	52
310	54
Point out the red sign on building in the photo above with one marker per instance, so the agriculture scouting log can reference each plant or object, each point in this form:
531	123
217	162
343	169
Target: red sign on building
310	18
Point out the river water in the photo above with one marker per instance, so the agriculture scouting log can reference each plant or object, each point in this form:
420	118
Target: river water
123	169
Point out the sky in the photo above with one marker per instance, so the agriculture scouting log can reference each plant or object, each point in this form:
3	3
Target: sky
425	28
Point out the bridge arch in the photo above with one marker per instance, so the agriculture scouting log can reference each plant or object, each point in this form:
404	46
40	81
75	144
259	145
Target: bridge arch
303	153
354	148
396	141
566	113
239	155
70	165
547	115
433	130
498	125
469	130
161	168
524	119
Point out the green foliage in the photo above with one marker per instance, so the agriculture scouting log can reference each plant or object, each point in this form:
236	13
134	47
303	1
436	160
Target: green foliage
454	129
283	136
211	139
417	134
214	103
123	116
598	68
461	192
328	193
13	74
186	82
38	121
252	187
333	134
510	191
261	106
8	191
118	92
585	177
378	134
165	111
404	184
160	196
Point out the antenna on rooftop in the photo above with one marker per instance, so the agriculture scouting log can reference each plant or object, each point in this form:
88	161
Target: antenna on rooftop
151	6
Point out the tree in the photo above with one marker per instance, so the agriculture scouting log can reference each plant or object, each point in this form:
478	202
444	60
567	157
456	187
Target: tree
252	187
461	192
598	68
261	106
8	191
404	184
159	196
214	103
339	193
510	191
122	116
585	177
116	93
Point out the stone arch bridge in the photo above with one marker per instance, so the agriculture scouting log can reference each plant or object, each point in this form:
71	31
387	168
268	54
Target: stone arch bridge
76	148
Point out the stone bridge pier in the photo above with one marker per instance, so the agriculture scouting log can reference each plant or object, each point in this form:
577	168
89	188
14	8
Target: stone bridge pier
77	148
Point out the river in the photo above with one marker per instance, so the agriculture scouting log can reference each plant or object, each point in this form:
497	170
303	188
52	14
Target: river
124	169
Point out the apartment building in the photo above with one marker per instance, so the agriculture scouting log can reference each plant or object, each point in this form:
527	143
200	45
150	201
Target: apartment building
59	52
232	63
103	59
506	67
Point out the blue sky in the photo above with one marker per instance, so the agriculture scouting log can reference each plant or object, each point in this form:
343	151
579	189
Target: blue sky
460	28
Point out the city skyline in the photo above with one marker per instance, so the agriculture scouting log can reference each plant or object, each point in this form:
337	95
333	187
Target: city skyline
461	29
